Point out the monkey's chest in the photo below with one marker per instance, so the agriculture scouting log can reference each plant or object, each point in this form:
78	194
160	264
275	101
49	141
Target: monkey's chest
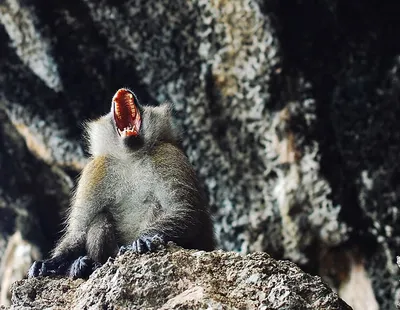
136	209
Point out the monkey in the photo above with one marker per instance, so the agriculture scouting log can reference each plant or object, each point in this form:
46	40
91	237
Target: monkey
138	192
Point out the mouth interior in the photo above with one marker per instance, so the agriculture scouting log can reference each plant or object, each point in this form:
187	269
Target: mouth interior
126	114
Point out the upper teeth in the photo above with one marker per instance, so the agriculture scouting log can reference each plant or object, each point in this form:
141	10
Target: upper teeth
117	111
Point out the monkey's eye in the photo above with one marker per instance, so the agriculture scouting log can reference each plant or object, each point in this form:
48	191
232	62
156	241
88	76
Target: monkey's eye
126	113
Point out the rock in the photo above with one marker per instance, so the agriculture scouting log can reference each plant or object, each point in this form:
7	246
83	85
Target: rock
181	279
32	198
16	260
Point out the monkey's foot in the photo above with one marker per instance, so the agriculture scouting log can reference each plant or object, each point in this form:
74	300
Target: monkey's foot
83	267
144	244
50	267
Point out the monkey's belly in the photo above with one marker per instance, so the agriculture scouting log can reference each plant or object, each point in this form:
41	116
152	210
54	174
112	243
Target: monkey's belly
133	220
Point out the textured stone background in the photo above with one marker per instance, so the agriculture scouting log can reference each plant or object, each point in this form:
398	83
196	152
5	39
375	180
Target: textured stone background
289	111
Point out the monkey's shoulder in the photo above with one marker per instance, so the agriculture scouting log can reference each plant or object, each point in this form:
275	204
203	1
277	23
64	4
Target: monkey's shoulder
169	157
96	169
171	165
164	153
92	176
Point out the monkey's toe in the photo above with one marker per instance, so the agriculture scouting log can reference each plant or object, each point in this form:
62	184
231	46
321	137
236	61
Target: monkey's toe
123	249
144	244
82	267
158	241
34	271
147	243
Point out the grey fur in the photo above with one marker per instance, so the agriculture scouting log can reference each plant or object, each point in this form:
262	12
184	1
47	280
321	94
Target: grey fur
133	189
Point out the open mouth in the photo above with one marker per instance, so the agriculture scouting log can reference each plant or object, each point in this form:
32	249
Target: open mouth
126	113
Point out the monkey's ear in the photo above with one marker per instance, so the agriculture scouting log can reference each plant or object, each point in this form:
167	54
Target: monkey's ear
166	126
89	127
167	107
86	125
100	135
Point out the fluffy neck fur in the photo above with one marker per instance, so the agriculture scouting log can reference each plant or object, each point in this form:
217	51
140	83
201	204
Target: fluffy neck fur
157	126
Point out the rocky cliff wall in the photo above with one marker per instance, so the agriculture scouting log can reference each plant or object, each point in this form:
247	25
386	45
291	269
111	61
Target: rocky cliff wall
289	112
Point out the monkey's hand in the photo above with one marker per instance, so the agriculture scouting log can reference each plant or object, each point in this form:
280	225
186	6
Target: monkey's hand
49	267
83	267
144	244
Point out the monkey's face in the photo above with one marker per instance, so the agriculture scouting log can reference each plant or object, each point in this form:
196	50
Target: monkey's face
130	127
126	111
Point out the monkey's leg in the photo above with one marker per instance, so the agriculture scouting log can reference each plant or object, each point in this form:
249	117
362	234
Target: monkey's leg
100	245
101	240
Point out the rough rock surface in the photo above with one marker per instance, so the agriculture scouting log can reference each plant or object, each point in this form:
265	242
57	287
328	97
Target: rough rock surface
182	279
289	110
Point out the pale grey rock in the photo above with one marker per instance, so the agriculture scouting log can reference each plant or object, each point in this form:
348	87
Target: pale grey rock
183	279
32	47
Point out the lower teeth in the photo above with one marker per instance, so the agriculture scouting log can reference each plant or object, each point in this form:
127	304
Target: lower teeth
126	130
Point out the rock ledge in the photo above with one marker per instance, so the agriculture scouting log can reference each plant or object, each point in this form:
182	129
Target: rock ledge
175	278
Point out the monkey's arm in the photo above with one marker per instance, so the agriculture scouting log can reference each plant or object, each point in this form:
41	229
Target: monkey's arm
196	234
69	256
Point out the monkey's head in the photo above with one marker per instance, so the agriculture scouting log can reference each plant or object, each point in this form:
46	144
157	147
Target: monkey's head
130	127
